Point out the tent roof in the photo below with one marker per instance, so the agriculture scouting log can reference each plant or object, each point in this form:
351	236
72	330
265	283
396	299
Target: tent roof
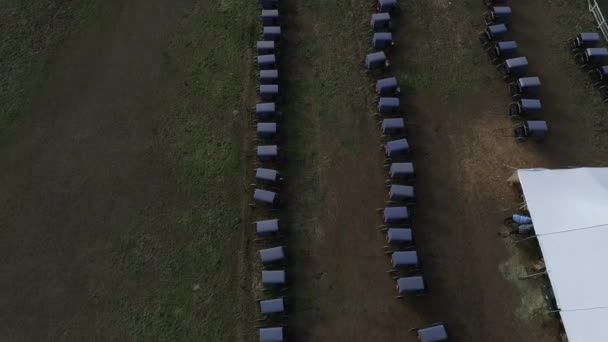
569	209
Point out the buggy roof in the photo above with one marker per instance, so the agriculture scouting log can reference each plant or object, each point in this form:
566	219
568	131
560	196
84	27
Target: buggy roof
270	306
267	127
272	254
537	125
265	107
516	62
268	150
264	195
381	16
388	102
397	146
501	10
387	82
415	283
265	44
402	168
497	29
396	213
589	36
399	235
393	123
526	82
383	36
266	174
273	277
530	104
435	333
507	45
402	258
267	226
375	56
596	52
271	334
401	190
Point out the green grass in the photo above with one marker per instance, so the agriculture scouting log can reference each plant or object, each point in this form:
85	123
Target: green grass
200	238
183	270
32	31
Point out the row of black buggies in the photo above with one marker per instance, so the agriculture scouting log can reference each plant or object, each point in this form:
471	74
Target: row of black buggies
523	89
400	247
592	58
274	306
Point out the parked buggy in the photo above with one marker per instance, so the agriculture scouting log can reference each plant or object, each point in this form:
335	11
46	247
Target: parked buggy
386	6
268	177
376	60
502	50
381	22
275	334
267	153
270	76
267	62
513	68
395	215
592	57
269	92
265	111
396	148
531	130
273	257
493	33
497	14
269	4
398	239
267	229
410	286
270	17
434	333
274	280
401	194
388	105
266	130
525	87
401	171
382	40
271	33
525	108
265	198
265	47
271	307
388	87
599	76
393	126
584	40
404	262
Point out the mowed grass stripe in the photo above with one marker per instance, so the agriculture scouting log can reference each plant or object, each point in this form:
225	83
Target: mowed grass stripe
184	269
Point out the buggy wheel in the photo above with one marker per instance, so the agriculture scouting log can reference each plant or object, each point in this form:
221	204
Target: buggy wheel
572	45
483	38
513	110
579	58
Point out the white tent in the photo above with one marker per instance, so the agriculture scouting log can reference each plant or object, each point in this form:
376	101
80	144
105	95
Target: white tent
569	209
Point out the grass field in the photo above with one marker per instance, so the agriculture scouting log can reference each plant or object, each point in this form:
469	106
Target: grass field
126	150
148	239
